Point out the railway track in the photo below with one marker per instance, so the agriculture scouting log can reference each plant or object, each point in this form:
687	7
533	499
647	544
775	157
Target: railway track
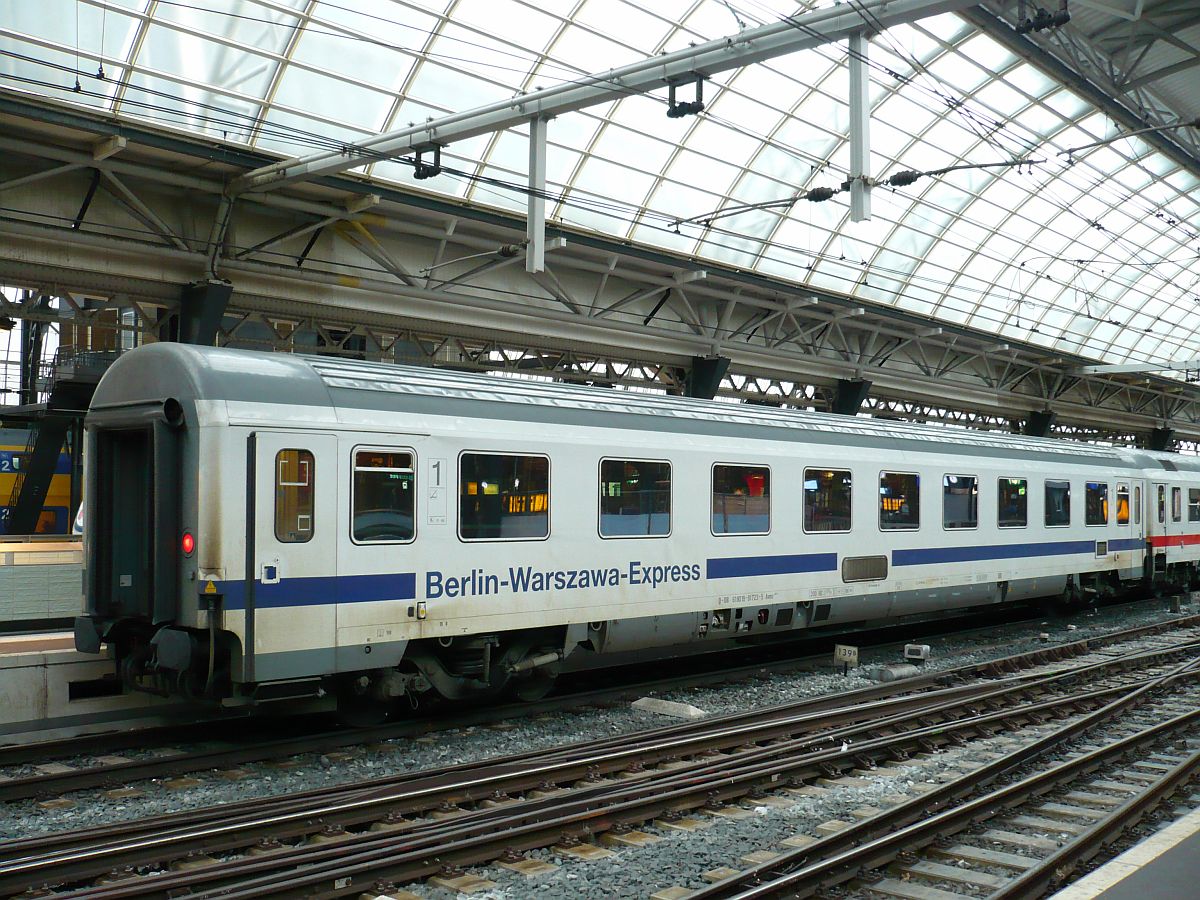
936	849
413	826
225	745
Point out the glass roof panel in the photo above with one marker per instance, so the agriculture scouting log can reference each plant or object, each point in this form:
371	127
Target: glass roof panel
996	247
364	61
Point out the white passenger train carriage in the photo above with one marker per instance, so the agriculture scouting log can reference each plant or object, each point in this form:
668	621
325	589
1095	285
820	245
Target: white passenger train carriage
264	526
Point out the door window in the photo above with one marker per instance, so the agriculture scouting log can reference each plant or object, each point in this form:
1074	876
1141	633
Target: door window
1176	504
1162	504
295	471
1137	504
1122	504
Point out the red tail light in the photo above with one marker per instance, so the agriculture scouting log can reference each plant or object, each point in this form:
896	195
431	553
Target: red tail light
189	543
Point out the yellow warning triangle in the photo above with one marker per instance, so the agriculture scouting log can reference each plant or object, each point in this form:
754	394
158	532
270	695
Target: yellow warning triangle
210	588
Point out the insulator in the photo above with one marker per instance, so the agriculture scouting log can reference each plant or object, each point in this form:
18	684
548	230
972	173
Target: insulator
903	179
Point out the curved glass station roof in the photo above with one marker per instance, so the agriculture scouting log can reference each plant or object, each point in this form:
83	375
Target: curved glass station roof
1092	252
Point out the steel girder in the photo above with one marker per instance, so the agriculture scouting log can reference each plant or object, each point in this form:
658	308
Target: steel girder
1099	70
807	29
346	266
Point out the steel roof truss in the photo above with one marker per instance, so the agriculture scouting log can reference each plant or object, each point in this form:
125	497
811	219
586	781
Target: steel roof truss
807	30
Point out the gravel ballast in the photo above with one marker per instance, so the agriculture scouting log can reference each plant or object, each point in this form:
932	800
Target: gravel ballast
679	857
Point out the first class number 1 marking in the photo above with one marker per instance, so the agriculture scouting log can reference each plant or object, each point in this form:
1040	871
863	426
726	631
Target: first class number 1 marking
436	492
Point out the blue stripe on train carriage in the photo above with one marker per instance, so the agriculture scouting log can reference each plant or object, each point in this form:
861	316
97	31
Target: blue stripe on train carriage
933	555
319	591
791	564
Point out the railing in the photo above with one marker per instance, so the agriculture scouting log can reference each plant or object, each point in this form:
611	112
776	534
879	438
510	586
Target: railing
72	362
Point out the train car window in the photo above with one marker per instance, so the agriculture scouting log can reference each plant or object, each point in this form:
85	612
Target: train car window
295	473
1193	505
826	500
1162	504
1137	504
383	496
1095	503
635	498
1012	508
899	501
1058	504
1176	504
503	497
741	499
960	501
1122	504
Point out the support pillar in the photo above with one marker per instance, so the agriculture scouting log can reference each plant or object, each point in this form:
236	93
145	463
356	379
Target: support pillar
860	129
535	229
1162	439
704	377
1038	424
201	306
849	396
32	339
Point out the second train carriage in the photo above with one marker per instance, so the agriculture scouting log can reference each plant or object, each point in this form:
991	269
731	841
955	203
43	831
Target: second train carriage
318	524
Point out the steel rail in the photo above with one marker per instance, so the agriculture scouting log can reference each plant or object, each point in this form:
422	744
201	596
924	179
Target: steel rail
782	720
74	863
55	784
633	801
423	848
344	874
963	693
1049	872
917	822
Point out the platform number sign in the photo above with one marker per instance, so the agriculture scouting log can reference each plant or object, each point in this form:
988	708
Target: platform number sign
438	481
845	656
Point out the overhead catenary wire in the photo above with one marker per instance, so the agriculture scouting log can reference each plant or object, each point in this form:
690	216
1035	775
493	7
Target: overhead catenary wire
341	265
569	202
343	144
597	206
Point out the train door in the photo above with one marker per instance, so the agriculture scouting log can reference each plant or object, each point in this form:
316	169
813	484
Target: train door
122	531
381	556
1159	515
1132	528
292	558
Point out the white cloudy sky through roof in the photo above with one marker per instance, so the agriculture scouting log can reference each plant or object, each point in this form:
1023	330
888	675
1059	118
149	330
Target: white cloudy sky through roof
1094	254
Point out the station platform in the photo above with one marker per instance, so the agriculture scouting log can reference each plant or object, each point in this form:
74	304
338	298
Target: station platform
1167	864
49	691
40	581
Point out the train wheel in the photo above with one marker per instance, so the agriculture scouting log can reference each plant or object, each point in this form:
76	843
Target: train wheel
535	687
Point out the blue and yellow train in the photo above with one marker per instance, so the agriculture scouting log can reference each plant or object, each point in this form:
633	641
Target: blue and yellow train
55	517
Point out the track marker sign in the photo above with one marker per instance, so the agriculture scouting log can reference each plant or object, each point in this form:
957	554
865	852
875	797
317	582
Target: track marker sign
846	656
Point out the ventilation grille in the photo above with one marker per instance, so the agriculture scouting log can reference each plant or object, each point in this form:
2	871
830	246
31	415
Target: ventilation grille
1102	548
864	568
